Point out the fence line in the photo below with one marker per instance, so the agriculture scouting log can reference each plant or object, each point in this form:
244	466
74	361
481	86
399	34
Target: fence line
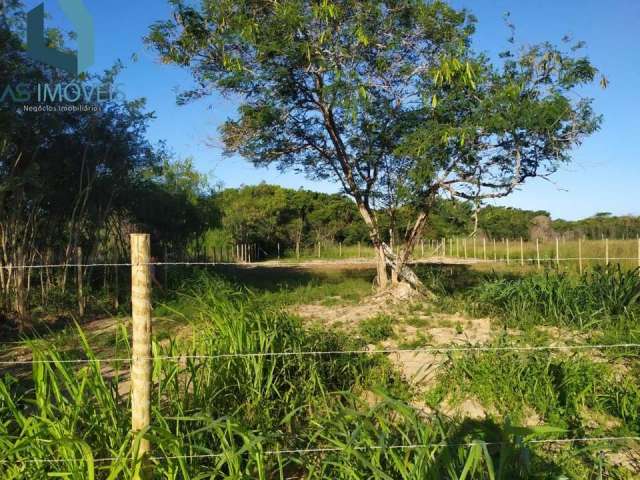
142	353
415	446
308	262
179	358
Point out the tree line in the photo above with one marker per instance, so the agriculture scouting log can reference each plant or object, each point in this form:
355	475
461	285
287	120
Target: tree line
74	185
268	215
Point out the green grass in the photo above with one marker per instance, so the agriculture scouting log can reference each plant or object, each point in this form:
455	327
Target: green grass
239	408
598	297
376	329
561	389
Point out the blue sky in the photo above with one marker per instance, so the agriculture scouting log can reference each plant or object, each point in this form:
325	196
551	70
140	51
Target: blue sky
605	173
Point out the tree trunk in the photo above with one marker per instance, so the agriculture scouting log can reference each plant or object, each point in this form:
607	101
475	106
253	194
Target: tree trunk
404	273
381	268
411	240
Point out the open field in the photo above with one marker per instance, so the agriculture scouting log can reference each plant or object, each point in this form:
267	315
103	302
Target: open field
567	254
457	390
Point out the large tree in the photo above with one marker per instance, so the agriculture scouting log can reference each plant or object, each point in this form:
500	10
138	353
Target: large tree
384	96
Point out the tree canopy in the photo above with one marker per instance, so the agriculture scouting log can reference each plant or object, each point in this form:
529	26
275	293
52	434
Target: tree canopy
386	97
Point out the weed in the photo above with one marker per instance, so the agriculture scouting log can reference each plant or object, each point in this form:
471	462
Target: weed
376	329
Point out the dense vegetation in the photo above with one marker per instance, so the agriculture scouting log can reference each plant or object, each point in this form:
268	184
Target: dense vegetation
231	414
269	214
86	181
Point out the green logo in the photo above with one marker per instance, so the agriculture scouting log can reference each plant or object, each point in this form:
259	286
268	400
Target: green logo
81	20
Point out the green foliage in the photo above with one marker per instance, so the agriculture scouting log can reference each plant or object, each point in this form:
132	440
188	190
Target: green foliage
268	214
507	222
390	102
236	409
174	201
601	225
565	392
376	329
85	180
599	296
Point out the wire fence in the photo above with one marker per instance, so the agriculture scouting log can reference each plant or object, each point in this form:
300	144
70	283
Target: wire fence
141	293
391	351
341	449
430	259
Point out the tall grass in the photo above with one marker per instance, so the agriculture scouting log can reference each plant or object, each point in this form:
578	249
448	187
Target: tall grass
599	296
228	417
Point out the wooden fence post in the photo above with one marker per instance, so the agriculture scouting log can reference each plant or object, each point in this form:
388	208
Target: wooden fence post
484	248
558	252
141	348
444	247
508	252
495	252
166	267
422	249
340	247
580	254
521	252
475	255
538	252
606	251
116	295
80	281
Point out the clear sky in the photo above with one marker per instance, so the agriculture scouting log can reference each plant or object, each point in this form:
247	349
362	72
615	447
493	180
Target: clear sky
605	173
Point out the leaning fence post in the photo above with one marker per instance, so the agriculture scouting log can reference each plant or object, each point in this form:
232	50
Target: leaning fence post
141	349
80	281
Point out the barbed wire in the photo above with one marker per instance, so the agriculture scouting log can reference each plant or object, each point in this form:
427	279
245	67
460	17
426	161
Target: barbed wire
304	451
432	350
